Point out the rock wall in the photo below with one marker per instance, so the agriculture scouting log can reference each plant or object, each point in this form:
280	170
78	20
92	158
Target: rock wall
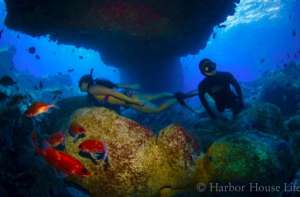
131	34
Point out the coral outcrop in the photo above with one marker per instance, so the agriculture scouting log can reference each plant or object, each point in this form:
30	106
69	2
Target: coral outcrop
140	162
264	117
247	157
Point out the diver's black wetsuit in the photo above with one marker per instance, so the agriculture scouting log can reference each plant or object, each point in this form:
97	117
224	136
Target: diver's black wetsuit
218	87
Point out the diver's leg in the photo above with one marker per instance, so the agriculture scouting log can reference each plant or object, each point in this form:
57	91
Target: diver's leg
220	106
159	96
129	86
235	106
165	105
111	92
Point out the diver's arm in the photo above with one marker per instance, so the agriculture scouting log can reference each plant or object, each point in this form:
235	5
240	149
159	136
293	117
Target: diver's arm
236	86
192	94
99	90
204	102
182	96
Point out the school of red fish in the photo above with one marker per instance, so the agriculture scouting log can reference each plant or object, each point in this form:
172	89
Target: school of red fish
51	150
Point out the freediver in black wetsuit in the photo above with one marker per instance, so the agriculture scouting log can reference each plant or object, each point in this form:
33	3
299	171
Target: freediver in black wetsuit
218	86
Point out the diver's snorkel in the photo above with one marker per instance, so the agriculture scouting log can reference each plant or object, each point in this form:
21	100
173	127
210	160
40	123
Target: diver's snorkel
91	76
91	72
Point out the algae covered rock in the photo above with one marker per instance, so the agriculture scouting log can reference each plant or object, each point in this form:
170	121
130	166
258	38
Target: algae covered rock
293	134
282	88
140	163
294	140
293	124
263	117
247	157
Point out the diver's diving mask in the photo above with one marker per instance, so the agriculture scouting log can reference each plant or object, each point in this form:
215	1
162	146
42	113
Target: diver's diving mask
208	68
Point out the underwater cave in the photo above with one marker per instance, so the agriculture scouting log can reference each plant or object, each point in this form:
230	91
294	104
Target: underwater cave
145	39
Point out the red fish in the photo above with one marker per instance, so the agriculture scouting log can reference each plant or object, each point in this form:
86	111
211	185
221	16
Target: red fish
56	139
38	108
31	50
61	161
76	131
95	148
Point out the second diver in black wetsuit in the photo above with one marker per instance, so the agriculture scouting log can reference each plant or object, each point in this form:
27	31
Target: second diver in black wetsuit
218	86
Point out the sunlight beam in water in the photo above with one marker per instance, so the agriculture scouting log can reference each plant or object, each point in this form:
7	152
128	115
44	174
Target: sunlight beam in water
249	11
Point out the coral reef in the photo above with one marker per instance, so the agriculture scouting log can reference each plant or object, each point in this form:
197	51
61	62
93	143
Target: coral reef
21	172
143	163
150	162
140	163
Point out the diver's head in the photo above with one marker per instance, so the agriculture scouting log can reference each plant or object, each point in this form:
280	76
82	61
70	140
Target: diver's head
207	67
84	82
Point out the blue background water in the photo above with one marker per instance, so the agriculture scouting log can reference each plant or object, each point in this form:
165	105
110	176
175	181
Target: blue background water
259	29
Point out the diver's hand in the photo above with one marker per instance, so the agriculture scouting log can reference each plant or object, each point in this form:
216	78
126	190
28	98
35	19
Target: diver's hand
180	97
139	103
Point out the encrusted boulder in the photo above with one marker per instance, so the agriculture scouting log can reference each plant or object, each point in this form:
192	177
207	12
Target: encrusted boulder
247	157
293	134
140	162
293	124
263	117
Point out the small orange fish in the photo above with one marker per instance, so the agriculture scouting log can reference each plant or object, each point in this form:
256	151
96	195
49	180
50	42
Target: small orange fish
76	131
61	161
95	148
38	108
56	139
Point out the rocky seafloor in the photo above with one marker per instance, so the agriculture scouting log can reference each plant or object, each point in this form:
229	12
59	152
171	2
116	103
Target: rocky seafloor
172	153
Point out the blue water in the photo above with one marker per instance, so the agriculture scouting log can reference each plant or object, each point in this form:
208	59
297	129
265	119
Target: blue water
256	39
250	37
259	29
